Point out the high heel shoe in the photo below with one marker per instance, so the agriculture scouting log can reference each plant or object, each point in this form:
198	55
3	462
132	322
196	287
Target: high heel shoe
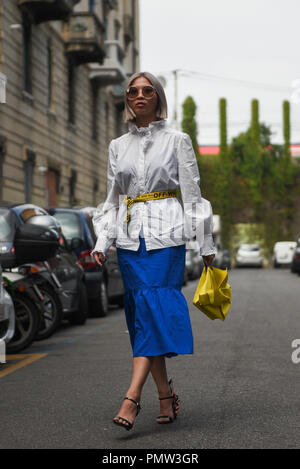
175	405
128	425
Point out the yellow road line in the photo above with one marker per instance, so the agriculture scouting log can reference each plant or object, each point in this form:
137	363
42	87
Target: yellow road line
31	357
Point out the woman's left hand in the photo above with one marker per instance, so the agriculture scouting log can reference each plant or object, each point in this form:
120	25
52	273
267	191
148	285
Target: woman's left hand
208	259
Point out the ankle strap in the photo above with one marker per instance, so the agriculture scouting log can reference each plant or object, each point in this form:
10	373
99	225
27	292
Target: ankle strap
132	400
169	397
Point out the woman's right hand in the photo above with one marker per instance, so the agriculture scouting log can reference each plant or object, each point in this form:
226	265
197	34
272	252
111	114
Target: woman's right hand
100	258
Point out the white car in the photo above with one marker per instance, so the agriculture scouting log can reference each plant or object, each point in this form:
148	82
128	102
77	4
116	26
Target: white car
283	252
249	255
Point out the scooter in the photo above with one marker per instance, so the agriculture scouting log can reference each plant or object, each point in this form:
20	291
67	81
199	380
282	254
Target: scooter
51	289
28	300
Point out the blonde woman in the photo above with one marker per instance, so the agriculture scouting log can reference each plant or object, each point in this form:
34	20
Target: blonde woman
151	227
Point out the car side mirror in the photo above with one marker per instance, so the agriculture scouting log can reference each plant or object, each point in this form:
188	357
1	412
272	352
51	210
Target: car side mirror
75	243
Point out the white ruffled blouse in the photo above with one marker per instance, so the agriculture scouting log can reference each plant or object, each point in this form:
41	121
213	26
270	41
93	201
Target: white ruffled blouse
150	159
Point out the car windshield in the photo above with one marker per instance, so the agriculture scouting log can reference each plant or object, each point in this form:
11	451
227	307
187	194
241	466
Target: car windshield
8	224
70	224
249	247
30	212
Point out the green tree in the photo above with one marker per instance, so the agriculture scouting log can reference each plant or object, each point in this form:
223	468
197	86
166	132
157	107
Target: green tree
255	129
223	126
286	127
189	124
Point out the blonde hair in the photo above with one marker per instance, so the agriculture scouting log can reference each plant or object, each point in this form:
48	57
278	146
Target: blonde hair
162	107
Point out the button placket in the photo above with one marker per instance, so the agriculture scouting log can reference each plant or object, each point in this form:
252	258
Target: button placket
142	174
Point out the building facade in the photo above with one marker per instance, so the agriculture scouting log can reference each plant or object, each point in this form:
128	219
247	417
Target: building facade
66	63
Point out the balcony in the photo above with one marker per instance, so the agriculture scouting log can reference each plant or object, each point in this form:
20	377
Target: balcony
39	11
84	38
112	71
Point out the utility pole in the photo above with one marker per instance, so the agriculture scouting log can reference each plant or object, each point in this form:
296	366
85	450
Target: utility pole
175	116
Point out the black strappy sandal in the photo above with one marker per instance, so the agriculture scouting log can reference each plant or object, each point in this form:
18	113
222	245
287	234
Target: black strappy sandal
175	405
128	425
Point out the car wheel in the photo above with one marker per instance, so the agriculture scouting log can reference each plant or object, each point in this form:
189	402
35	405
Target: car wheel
28	322
52	312
79	317
99	306
120	301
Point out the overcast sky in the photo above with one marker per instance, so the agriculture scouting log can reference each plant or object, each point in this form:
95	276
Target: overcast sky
240	41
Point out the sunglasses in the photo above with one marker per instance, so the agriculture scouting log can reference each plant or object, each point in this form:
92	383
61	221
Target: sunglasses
147	91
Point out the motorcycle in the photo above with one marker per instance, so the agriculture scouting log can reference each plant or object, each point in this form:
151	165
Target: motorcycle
31	244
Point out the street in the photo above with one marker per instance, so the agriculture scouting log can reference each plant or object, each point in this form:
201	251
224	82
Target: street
240	389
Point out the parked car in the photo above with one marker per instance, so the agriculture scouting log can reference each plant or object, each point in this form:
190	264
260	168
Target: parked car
225	260
283	252
104	284
64	264
249	255
295	265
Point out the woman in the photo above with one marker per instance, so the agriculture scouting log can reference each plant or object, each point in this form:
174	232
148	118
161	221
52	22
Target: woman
151	237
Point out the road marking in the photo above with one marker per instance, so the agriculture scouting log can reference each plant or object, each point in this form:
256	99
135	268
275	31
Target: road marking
22	360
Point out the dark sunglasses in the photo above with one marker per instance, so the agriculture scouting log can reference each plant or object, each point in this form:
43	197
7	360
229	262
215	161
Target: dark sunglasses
147	92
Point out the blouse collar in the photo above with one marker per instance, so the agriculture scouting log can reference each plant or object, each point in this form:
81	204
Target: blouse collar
133	128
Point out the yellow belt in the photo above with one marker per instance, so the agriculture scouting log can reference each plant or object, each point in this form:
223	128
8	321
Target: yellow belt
149	196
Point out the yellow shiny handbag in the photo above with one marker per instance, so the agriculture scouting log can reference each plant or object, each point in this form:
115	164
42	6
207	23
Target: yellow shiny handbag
213	293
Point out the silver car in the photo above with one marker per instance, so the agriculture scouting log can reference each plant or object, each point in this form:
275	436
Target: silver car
249	255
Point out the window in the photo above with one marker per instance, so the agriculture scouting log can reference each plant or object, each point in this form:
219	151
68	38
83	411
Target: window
71	90
52	186
26	58
91	5
28	174
119	108
50	72
72	183
95	97
106	124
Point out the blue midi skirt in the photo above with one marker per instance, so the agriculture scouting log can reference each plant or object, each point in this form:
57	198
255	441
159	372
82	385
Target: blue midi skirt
156	310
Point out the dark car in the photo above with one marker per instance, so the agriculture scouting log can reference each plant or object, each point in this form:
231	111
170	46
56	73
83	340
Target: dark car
225	260
65	265
104	284
295	266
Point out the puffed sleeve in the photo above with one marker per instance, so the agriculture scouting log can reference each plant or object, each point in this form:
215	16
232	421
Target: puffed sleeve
105	216
197	210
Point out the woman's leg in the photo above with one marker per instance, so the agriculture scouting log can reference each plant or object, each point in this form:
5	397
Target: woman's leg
140	370
160	376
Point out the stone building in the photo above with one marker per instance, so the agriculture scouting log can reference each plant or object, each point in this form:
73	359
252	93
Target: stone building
65	62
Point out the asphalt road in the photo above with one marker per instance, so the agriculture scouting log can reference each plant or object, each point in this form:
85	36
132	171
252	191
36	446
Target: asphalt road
240	389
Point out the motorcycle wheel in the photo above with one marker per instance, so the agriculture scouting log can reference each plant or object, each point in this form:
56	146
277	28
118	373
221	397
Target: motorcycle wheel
28	322
52	312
